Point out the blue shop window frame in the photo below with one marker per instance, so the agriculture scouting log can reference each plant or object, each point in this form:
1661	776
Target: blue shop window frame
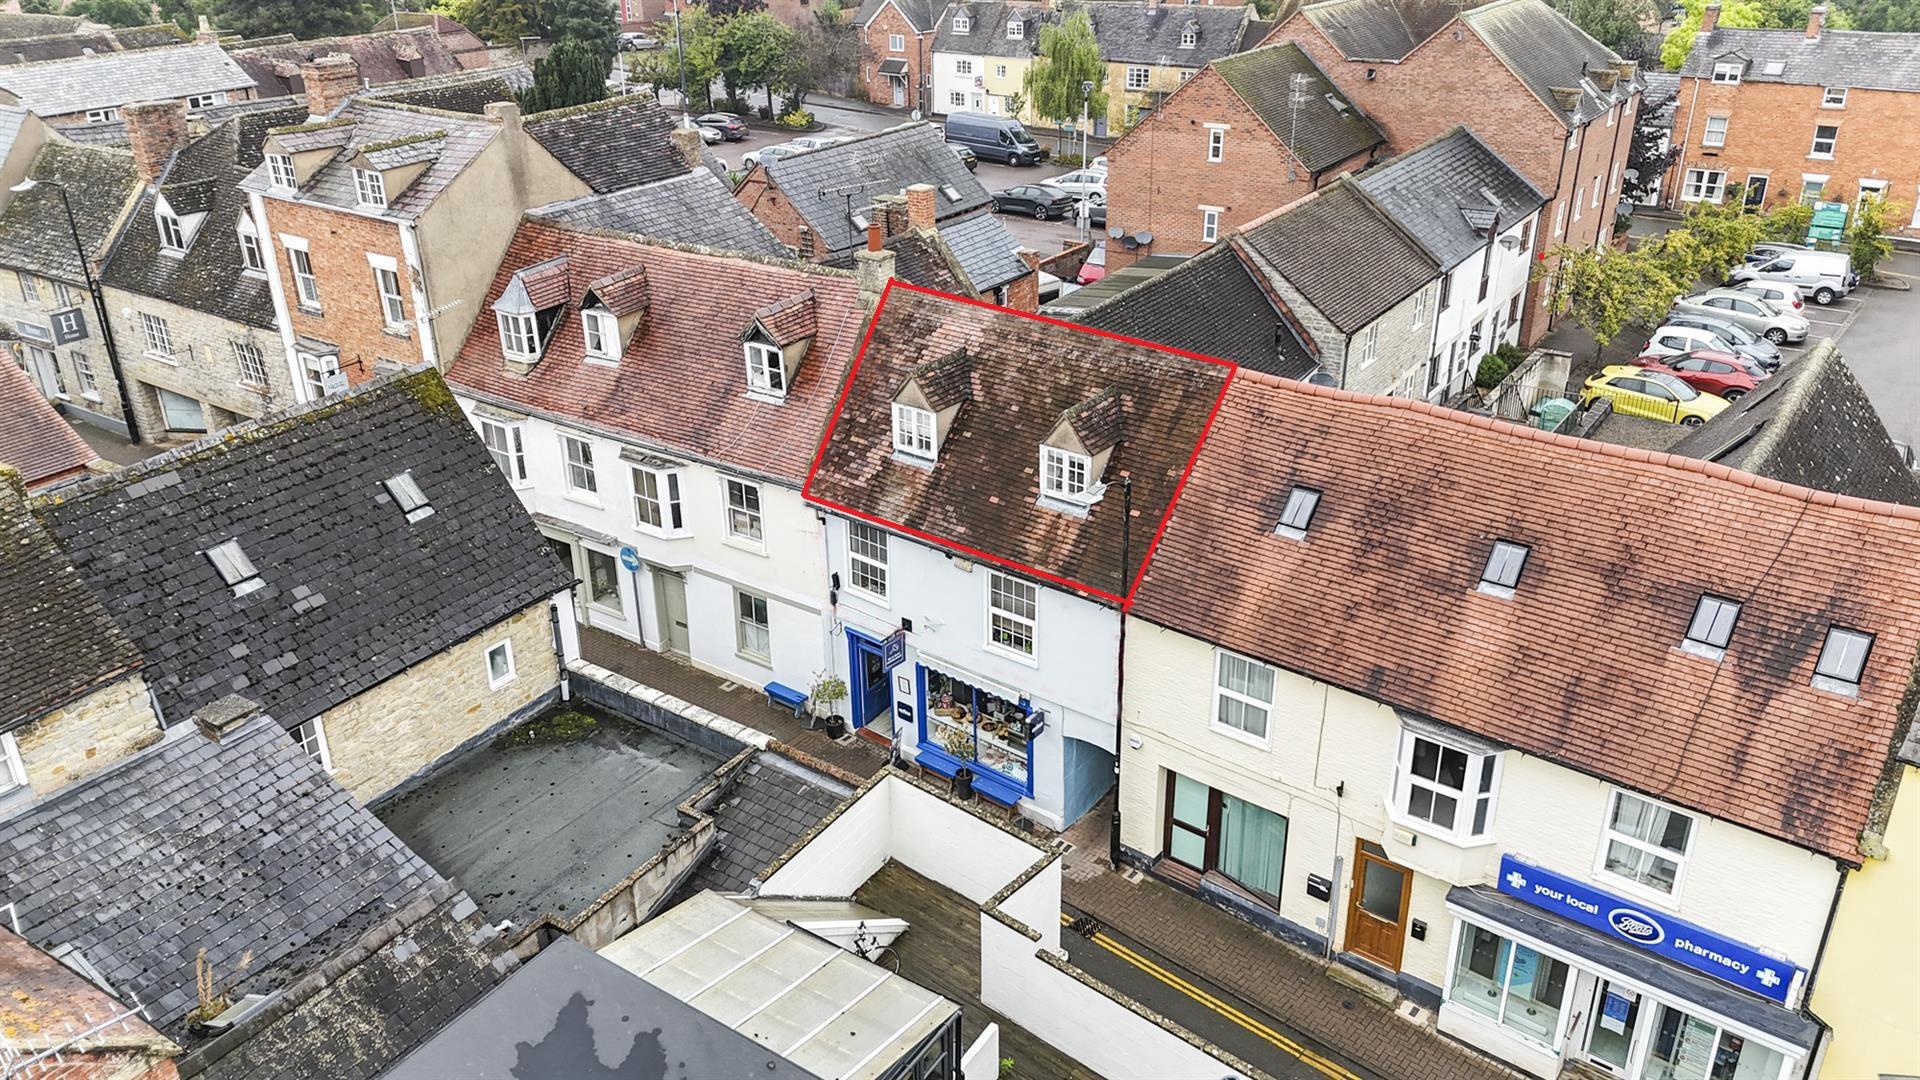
987	780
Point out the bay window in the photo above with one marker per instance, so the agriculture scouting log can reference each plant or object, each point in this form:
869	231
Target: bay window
504	442
656	501
519	336
1440	787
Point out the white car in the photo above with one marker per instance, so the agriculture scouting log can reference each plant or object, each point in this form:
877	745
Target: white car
814	142
1084	183
769	153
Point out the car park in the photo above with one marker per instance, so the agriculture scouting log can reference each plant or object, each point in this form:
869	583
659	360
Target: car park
1652	395
1036	200
1682	331
1780	294
637	42
1722	374
1086	183
1824	275
728	124
1095	267
815	142
1745	309
1766	250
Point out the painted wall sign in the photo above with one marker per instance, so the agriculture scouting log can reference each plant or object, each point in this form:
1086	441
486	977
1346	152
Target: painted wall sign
1670	938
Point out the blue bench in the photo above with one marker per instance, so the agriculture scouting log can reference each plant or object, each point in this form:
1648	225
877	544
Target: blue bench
782	695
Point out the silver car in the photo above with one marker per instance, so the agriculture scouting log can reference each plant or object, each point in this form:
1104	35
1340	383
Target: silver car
1748	310
1778	293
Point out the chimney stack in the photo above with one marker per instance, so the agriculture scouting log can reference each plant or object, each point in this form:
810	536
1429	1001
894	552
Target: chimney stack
1023	292
1567	97
330	81
1710	18
1627	70
217	718
687	141
155	129
872	270
504	113
205	35
923	206
1816	19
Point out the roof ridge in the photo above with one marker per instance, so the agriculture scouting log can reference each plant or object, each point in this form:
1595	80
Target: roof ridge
1367	199
795	265
1656	458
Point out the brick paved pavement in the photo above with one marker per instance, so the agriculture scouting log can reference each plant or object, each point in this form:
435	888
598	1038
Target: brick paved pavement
744	704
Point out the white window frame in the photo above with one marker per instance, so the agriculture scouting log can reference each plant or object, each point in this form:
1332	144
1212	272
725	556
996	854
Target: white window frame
519	335
311	737
67	296
581	475
1189	37
495	682
13	775
595	323
1703	185
1579	196
1829	100
963	66
1813	186
868	555
1467	799
1216	142
280	172
393	306
511	454
1711	137
896	43
156	337
306	284
173	235
83	371
102	116
744	609
29	288
913	431
1367	345
1029	624
956	99
1420	306
1209	223
734	493
766	368
207	101
1832	142
253	259
1608	835
962	24
318	367
1139	78
1869	189
251	362
1727	74
369	189
664	501
1221	691
999	72
1057	475
1016	30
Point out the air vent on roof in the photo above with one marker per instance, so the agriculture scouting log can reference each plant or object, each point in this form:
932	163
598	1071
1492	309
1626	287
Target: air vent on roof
952	193
237	1012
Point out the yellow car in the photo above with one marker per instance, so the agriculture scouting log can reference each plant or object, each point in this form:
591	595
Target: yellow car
1655	395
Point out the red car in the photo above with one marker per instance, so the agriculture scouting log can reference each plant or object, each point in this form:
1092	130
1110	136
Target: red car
1710	371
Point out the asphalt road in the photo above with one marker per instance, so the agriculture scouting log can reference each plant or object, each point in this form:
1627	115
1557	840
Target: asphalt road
1882	344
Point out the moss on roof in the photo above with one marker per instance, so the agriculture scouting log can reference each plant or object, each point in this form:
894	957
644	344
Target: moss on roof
404	140
317	125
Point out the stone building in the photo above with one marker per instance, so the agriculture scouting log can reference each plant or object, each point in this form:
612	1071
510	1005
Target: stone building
91	89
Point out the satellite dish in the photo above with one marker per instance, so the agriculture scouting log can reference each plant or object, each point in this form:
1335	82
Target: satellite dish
1114	232
1129	243
1143	237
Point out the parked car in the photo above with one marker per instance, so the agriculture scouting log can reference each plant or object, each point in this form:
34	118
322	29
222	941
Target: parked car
1705	331
1767	249
1095	267
996	138
1096	214
768	153
728	124
637	42
966	156
1745	309
815	142
1824	275
1778	293
1654	395
1722	374
1042	202
1083	182
710	135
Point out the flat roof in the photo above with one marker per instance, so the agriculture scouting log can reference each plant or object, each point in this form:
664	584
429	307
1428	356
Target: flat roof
545	819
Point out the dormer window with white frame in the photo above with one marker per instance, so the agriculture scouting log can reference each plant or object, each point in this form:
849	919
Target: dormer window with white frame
1298	513
1727	72
1065	475
961	23
406	494
766	369
913	431
1190	36
1501	575
1443	788
602	334
173	238
519	336
1016	30
1843	659
368	189
280	171
231	563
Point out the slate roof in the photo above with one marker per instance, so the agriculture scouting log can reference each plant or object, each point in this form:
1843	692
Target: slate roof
34	234
17	24
55	46
1381	600
693	208
611	144
983	490
1379	29
1140	33
987	32
681	386
461	92
1212	305
1659	98
35	440
1871	61
1545	49
774	803
818	183
1434	189
334	618
987	253
58	87
921	13
382	59
375	122
918	259
1322	133
1342	253
1811	425
56	641
418	969
209	276
242	847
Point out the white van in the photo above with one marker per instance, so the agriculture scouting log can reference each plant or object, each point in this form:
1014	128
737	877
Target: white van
1824	275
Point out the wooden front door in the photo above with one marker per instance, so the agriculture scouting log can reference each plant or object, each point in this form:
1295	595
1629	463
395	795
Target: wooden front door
1377	906
671	591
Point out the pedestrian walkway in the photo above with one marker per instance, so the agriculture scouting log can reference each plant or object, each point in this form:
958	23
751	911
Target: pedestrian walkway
739	702
1266	972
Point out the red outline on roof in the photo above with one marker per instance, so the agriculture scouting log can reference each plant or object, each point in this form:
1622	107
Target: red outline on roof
1179	488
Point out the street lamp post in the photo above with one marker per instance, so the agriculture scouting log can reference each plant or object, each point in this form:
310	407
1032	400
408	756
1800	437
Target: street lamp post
99	303
680	49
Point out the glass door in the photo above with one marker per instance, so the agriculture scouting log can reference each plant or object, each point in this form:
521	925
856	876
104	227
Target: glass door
1188	818
1616	1012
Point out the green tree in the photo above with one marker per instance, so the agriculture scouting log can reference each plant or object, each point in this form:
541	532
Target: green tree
184	14
1886	16
590	22
824	53
498	20
754	50
40	7
571	73
1607	291
302	18
1742	15
1788	222
115	13
699	39
1723	233
1868	236
1068	60
1620	25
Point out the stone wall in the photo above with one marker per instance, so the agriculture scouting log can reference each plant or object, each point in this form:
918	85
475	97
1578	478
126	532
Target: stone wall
87	735
401	726
100	405
205	367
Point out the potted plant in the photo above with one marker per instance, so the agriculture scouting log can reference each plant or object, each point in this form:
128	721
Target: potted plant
828	689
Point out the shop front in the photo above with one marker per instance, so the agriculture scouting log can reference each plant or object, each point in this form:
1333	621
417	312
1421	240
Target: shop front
1546	970
965	721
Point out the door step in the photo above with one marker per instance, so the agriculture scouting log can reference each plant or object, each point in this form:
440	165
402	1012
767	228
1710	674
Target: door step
1355	979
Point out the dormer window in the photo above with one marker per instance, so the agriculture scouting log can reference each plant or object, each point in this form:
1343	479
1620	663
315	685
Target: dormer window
913	431
1298	513
280	171
962	24
1190	36
407	495
1016	30
1842	659
1065	475
173	238
234	567
602	333
1727	72
1712	626
529	309
1502	572
766	371
369	189
519	336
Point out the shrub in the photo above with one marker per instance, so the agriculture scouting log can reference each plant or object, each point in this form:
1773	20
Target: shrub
796	119
1867	237
1497	365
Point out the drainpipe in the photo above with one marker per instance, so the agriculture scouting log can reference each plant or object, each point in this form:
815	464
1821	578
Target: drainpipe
560	648
1120	665
1677	173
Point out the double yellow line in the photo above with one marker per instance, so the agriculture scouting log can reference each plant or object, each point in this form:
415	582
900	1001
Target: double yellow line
1253	1026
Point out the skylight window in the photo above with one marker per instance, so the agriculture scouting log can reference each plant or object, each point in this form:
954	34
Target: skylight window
1842	659
408	496
234	567
1712	626
1504	564
952	193
1298	513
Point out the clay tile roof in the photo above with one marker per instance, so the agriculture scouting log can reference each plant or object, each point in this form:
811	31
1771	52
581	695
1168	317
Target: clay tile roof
982	494
1581	667
946	382
786	321
546	283
34	440
1097	421
622	292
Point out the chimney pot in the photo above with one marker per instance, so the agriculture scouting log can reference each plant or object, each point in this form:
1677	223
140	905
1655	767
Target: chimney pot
155	129
1816	19
330	81
923	206
1710	17
873	235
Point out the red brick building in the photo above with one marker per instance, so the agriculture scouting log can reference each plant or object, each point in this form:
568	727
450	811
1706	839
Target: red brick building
1554	103
1215	155
896	51
1811	114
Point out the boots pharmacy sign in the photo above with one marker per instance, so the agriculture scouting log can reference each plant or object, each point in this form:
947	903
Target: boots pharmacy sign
1658	933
